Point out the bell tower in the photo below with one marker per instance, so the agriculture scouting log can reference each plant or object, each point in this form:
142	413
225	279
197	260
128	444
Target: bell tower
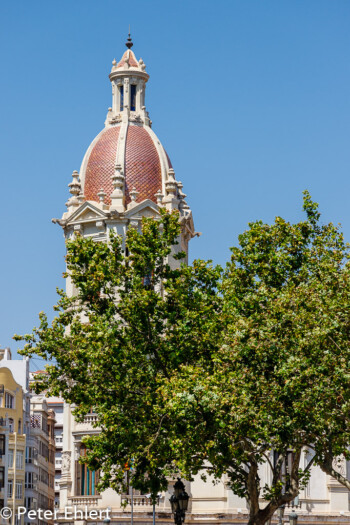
128	78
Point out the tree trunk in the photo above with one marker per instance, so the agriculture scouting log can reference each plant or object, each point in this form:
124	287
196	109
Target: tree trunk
262	516
258	516
259	519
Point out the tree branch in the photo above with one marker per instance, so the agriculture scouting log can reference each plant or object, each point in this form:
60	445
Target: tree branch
327	467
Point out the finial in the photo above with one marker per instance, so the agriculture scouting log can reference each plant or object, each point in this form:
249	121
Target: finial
182	195
129	42
101	195
159	196
81	197
171	183
117	196
74	190
134	194
75	186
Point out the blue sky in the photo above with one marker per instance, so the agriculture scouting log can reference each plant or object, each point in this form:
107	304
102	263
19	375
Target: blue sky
250	99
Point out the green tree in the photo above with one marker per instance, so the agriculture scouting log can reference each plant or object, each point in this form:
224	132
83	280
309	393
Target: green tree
278	383
132	324
199	370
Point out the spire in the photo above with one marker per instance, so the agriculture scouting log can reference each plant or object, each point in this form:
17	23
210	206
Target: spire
129	42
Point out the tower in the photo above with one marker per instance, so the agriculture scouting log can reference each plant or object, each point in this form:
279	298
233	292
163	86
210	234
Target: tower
125	175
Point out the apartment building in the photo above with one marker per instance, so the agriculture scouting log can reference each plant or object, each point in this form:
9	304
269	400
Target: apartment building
40	458
14	421
56	404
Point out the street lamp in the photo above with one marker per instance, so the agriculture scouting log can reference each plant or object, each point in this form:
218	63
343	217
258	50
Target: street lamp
179	502
293	518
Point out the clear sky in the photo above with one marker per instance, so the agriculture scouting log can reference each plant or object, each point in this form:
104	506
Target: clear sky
249	98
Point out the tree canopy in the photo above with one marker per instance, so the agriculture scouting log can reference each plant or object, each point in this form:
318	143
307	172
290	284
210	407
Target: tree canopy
200	369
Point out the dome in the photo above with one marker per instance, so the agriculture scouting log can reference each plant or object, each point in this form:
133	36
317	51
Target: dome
125	167
144	158
126	163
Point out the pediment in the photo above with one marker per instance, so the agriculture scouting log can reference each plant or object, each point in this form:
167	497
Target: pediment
86	212
146	208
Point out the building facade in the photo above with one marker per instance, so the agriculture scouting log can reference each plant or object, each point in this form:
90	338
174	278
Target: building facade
40	459
27	444
126	174
56	404
14	425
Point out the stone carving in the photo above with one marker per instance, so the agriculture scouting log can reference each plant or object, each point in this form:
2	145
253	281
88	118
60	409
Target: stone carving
339	465
66	461
76	451
135	118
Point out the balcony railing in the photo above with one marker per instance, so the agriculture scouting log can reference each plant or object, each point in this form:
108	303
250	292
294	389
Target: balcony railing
91	419
139	501
90	501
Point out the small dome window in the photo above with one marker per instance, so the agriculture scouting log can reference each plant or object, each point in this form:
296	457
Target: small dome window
133	97
121	97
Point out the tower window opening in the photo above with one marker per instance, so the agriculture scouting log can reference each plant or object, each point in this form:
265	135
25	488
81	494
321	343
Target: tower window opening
133	97
121	97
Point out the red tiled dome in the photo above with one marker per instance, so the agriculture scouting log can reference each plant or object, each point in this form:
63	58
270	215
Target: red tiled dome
100	166
142	165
